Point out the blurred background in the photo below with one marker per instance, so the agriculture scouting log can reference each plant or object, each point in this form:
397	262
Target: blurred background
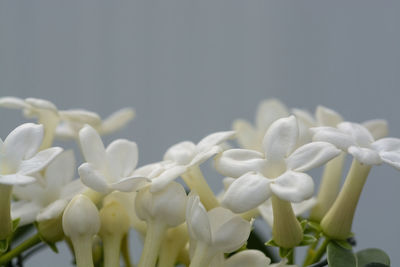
190	68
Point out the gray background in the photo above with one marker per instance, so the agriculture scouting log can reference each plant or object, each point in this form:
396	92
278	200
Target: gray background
191	67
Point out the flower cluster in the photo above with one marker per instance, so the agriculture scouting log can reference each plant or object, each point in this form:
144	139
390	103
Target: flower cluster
267	176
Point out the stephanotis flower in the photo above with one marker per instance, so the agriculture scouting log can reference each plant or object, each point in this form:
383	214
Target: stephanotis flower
248	258
38	202
278	171
109	169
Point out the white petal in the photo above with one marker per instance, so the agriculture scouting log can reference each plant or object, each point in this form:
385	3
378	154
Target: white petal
81	116
281	138
231	235
268	111
181	153
65	131
359	133
16	179
39	161
247	192
197	219
61	170
167	176
311	155
302	207
93	178
26	211
122	156
386	144
236	162
71	189
334	136
378	128
366	156
304	117
293	186
130	184
327	117
53	210
13	102
41	104
214	139
92	147
204	155
248	258
246	135
266	212
391	158
117	120
30	192
23	142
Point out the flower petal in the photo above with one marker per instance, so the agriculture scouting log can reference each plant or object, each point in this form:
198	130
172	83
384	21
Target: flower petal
23	142
248	258
13	102
247	192
246	135
204	155
359	133
311	155
52	211
269	111
117	120
334	136
365	156
81	116
391	158
281	138
92	147
39	161
130	184
304	117
181	153
93	178
327	117
236	162
61	170
25	211
197	219
16	179
167	176
214	139
122	156
386	144
378	128
293	186
41	104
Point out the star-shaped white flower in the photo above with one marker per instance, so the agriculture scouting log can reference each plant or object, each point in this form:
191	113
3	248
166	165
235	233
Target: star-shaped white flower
109	169
19	155
48	201
279	170
355	139
182	156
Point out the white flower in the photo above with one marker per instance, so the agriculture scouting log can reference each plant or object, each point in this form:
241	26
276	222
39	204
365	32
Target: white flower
249	258
355	139
108	169
218	230
279	170
19	156
182	156
48	201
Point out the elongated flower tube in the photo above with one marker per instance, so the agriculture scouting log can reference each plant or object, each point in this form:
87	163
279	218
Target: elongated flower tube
109	169
278	172
183	159
115	223
358	141
216	231
161	210
81	222
19	161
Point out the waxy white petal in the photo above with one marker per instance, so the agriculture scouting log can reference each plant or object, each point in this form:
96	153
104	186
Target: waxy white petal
93	178
391	158
61	170
13	102
41	104
386	144
81	116
16	179
39	161
181	153
122	156
334	136
92	147
248	258
117	120
360	134
214	139
246	135
281	138
236	162
167	176
311	155
365	156
25	211
269	111
327	117
293	186
304	117
53	210
378	128
197	219
204	155
247	192
130	184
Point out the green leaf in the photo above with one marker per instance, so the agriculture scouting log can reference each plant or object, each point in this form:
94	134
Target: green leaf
307	240
15	224
372	255
315	226
3	246
303	224
344	244
285	252
271	243
340	257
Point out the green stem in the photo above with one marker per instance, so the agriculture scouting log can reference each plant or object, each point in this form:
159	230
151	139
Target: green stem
111	248
201	256
154	237
174	242
320	252
5	215
290	257
125	251
28	243
195	181
83	251
311	251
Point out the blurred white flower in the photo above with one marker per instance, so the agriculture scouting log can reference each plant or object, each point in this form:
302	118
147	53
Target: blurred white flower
109	169
279	170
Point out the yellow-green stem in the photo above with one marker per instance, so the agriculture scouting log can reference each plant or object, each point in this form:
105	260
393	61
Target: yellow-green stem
202	256
83	251
320	252
154	237
111	248
329	187
28	243
5	216
338	221
50	124
173	244
125	251
286	230
195	181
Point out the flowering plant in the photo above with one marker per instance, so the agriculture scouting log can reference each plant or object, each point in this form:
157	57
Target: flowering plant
187	223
